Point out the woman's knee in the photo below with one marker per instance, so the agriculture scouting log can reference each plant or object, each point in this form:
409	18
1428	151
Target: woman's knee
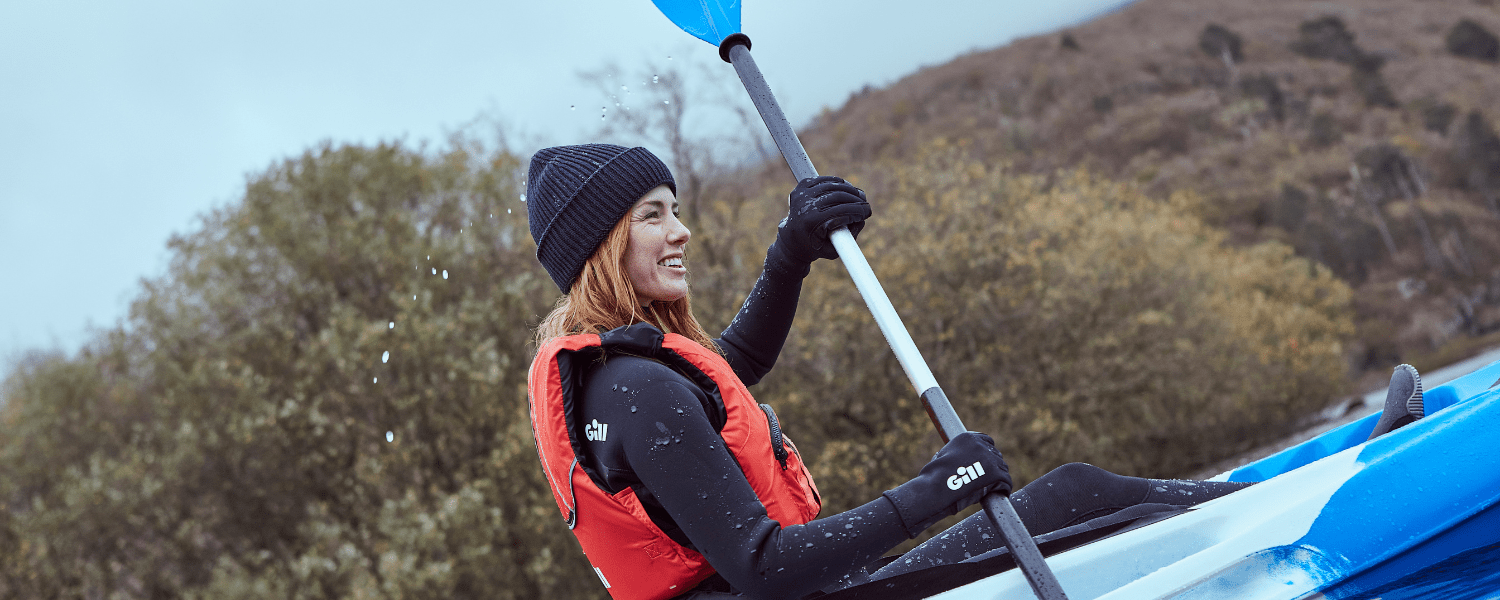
1077	474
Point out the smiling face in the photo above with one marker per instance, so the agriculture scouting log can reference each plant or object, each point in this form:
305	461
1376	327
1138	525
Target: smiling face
653	256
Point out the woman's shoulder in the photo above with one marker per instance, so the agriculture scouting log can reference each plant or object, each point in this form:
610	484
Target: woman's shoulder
636	371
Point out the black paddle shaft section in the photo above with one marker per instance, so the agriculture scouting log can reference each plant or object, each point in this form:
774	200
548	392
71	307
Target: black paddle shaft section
736	50
998	507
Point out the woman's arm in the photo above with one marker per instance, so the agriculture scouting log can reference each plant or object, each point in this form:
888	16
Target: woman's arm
661	443
676	455
754	338
815	207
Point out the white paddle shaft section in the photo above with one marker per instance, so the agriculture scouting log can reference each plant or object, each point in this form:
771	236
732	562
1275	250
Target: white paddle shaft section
1002	513
859	269
884	312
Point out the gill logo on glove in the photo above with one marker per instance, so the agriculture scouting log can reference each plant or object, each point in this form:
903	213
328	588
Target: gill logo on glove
596	431
965	475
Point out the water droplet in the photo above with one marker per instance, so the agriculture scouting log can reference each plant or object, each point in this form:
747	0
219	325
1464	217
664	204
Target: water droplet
445	273
669	57
434	270
809	545
523	197
625	88
739	525
826	535
385	357
655	78
632	409
390	436
507	211
573	107
666	101
429	257
392	325
413	296
624	389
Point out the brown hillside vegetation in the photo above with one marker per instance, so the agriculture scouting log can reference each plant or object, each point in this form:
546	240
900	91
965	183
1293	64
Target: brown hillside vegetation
1360	133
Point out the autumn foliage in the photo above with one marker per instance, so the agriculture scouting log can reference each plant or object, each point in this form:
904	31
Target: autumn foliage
324	397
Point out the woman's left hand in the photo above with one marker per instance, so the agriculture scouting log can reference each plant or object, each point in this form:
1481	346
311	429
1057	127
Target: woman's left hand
818	206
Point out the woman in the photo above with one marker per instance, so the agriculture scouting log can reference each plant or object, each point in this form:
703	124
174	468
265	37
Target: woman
676	483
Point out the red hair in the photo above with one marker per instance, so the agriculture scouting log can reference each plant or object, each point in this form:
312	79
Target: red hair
603	298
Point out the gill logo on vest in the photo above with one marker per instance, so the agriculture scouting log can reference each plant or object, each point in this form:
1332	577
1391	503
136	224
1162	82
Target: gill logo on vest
965	475
596	431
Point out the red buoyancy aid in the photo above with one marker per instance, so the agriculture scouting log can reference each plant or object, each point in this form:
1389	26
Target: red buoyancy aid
632	556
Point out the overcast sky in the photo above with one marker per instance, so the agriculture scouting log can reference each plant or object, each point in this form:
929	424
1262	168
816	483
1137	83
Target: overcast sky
120	122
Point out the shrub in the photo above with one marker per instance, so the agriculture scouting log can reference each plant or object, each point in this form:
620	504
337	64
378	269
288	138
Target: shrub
1076	321
1471	40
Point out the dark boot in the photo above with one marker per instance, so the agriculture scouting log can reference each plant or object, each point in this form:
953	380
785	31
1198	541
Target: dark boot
1403	401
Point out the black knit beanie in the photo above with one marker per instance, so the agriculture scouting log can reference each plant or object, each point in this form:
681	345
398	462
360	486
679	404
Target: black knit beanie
576	194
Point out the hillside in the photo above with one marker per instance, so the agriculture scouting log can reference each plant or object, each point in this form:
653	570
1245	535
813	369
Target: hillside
1360	133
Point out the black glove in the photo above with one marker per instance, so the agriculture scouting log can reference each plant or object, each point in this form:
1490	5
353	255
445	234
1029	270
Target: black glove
817	206
966	469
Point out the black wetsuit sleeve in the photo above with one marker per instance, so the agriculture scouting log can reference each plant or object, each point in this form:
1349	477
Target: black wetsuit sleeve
658	426
754	338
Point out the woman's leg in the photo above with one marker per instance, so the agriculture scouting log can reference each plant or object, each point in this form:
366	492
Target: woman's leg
1066	496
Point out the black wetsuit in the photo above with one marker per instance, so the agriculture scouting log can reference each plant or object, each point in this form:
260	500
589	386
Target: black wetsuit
660	442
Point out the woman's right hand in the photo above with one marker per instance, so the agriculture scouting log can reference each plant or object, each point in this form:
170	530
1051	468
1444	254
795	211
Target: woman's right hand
817	206
960	474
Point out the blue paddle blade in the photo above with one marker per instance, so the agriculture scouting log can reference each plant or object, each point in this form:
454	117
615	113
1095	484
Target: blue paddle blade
708	20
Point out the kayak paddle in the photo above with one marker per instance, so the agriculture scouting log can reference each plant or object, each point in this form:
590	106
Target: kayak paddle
718	22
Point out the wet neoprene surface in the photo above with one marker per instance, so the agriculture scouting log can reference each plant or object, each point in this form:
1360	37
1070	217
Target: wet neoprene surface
660	441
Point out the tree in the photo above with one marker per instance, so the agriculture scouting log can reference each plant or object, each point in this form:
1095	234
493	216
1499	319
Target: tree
325	397
1073	318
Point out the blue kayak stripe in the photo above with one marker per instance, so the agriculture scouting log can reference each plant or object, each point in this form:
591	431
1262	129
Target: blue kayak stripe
1407	575
1416	483
1353	434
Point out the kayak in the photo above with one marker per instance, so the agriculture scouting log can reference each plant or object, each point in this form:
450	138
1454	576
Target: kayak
1409	514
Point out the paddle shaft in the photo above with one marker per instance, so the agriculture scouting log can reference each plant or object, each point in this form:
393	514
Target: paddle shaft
997	506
